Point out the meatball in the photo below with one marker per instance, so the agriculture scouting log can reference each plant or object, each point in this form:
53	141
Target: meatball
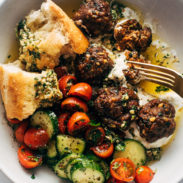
156	120
94	16
94	65
117	107
131	74
130	35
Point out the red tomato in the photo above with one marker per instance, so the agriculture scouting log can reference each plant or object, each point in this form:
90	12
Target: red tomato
27	159
77	123
104	150
36	138
122	169
66	82
82	90
62	122
95	135
144	174
20	131
113	180
73	104
61	71
14	121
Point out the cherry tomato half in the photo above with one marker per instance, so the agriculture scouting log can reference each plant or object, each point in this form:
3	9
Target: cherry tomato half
27	159
122	169
104	150
95	135
113	180
144	174
66	82
14	121
77	123
36	138
82	90
62	122
20	131
61	71
73	104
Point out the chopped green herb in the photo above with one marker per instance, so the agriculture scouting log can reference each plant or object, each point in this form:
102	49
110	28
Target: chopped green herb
33	176
120	147
161	88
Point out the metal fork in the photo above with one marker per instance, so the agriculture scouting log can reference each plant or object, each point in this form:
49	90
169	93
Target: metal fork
160	75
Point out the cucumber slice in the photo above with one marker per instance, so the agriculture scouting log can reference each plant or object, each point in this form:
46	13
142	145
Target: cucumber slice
102	163
60	167
70	165
134	150
67	144
87	171
51	155
46	120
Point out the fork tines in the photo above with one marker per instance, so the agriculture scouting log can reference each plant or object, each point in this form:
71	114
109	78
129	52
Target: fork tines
157	74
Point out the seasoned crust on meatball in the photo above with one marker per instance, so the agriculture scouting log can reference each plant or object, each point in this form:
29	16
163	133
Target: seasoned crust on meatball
131	74
156	120
117	107
94	16
94	65
130	35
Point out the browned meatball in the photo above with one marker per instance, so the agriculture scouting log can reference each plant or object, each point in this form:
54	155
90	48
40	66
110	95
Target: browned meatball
130	35
117	107
94	65
132	75
94	16
156	120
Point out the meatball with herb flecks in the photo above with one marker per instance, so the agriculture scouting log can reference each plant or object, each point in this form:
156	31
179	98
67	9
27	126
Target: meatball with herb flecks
156	120
130	35
132	75
117	107
94	17
94	65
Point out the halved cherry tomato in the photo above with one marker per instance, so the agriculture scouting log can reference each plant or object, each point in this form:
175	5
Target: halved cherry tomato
122	169
77	123
66	82
104	150
27	158
14	121
20	131
113	180
36	138
62	122
73	104
144	174
95	135
82	90
61	71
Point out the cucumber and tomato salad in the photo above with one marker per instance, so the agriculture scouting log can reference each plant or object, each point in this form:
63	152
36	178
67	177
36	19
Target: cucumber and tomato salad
66	137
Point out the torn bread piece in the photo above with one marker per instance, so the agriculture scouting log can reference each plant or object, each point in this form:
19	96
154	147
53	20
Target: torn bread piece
45	35
23	92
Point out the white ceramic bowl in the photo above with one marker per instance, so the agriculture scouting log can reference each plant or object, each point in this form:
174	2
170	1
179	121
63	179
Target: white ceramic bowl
169	14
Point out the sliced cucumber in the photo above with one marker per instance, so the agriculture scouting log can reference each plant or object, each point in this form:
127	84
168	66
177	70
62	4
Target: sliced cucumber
70	165
134	150
87	171
60	167
102	163
67	144
51	155
46	120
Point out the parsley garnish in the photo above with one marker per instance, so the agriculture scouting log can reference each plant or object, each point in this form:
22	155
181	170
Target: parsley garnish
161	88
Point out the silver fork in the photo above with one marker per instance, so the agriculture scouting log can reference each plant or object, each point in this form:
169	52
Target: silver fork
160	75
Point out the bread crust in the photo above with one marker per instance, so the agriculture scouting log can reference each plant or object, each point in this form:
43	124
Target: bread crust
18	94
78	41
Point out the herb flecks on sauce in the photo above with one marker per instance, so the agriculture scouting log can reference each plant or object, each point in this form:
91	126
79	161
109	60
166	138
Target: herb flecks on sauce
161	88
47	91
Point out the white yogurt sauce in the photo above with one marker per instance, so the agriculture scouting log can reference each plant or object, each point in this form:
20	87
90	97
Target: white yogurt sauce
119	65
